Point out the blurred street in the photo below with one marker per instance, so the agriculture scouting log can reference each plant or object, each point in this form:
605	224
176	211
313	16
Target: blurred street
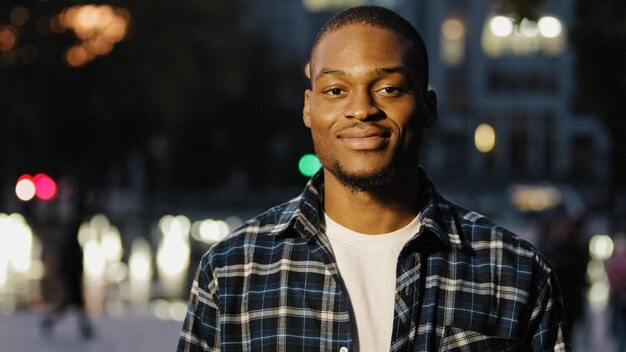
21	332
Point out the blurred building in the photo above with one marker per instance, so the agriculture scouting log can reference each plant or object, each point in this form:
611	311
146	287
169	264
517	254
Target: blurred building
506	65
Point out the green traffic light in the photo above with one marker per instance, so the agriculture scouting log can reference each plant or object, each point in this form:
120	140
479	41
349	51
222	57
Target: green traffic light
309	164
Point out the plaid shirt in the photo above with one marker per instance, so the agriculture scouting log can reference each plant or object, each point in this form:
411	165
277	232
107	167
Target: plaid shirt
463	284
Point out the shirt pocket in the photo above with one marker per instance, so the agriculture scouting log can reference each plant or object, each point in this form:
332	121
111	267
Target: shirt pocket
456	339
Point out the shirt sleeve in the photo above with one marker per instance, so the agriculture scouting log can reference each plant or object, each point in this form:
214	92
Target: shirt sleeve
547	330
201	329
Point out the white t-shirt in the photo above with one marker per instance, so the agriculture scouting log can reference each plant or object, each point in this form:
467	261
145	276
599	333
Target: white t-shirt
367	265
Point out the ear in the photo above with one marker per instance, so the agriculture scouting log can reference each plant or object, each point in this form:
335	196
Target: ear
306	111
430	102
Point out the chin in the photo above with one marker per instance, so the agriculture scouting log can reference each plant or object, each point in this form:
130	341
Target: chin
371	180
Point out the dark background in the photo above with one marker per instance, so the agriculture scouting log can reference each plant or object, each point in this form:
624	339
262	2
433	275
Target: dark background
194	99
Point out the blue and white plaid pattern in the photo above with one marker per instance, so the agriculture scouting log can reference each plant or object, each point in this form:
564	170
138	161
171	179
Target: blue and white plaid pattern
463	284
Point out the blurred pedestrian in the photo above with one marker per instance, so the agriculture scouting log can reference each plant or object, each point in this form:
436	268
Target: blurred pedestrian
563	243
68	271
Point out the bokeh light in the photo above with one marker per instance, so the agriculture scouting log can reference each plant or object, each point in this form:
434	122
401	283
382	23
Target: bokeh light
94	260
16	242
25	188
19	252
309	164
140	261
453	29
160	308
173	253
7	37
102	259
598	295
601	247
213	230
77	56
534	198
117	272
178	310
549	27
99	223
19	15
56	25
99	27
504	35
452	42
210	231
528	28
85	234
112	245
501	26
485	138
45	187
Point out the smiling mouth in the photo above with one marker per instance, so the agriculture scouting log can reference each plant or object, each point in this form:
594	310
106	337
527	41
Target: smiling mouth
364	139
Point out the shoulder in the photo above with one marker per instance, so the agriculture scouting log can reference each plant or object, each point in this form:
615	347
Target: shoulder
262	239
256	236
489	241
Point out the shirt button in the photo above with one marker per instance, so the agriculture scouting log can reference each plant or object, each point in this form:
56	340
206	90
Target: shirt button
343	349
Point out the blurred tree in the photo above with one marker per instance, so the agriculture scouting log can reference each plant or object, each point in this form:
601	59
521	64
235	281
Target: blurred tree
189	87
599	38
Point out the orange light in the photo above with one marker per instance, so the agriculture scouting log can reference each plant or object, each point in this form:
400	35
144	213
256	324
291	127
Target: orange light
56	24
76	56
116	30
87	17
19	15
98	27
98	46
68	16
7	38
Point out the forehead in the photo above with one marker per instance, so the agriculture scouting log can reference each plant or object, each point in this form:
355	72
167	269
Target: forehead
358	45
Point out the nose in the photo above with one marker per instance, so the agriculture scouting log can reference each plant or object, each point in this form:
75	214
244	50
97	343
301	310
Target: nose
361	105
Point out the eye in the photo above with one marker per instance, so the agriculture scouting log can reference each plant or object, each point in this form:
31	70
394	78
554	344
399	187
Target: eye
391	91
334	91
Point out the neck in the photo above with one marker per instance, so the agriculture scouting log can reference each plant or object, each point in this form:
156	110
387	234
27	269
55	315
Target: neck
386	210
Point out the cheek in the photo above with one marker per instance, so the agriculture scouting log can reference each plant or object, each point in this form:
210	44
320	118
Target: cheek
411	132
320	137
321	123
413	137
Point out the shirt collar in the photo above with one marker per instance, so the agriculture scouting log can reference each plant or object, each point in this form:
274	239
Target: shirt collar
437	214
304	212
301	213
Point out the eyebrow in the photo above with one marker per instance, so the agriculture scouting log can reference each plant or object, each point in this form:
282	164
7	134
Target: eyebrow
376	72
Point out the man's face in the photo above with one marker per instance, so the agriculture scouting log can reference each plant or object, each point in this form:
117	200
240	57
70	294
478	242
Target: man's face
365	109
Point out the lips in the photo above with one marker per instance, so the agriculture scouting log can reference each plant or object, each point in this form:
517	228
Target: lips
369	138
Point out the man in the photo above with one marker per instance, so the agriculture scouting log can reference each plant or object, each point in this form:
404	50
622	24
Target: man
370	257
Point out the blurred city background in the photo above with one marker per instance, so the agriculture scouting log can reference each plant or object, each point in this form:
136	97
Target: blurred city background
134	134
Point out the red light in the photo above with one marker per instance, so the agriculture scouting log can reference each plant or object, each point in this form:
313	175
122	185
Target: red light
45	187
25	177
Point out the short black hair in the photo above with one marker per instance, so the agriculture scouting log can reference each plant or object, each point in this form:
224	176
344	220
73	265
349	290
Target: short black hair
383	18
